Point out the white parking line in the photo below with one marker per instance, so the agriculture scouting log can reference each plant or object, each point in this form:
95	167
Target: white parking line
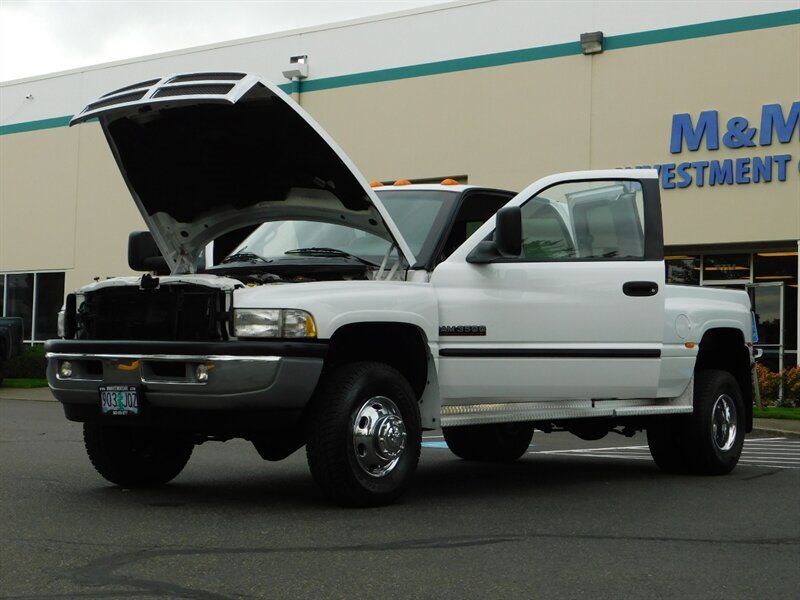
779	453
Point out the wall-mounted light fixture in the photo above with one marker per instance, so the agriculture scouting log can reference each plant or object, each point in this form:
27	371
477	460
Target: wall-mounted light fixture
298	67
592	42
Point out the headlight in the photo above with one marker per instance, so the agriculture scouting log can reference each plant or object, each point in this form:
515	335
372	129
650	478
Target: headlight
273	323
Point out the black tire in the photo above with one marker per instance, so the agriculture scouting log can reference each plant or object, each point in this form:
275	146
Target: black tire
716	430
667	440
355	447
136	457
710	440
501	442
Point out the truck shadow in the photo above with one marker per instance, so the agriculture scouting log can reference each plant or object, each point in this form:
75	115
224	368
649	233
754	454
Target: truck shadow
439	479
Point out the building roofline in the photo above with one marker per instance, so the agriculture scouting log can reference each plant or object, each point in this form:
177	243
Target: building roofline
250	40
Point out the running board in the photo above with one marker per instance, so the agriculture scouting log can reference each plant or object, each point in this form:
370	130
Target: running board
555	410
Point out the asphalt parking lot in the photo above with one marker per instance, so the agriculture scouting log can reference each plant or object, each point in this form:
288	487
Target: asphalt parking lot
571	519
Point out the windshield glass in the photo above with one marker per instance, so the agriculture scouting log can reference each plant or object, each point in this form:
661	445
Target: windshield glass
414	211
276	238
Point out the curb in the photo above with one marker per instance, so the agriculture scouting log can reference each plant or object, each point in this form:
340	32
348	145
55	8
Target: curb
777	431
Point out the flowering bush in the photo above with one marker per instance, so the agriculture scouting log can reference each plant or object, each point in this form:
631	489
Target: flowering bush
769	383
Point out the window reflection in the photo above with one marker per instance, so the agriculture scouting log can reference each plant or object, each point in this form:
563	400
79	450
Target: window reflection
33	294
682	269
20	299
725	267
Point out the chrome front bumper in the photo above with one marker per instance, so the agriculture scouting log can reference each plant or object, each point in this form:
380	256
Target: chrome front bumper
238	376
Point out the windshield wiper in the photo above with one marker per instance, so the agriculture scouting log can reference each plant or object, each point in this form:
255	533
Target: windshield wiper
330	252
244	257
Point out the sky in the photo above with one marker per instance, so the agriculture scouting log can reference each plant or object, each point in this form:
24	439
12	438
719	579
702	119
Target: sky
45	36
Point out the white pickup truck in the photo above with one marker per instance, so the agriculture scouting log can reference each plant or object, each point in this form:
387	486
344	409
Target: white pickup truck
289	303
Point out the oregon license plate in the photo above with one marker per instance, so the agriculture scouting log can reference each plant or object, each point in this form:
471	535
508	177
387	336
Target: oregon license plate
120	400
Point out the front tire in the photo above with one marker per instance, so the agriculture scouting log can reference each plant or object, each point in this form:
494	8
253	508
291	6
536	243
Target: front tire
364	435
136	457
500	442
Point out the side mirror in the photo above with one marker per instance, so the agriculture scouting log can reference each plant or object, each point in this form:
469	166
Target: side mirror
144	255
507	242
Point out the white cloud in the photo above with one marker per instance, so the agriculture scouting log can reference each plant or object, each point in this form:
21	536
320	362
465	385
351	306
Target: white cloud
44	36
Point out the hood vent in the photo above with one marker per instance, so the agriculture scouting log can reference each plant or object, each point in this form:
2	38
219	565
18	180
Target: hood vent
121	99
206	77
215	87
135	86
208	89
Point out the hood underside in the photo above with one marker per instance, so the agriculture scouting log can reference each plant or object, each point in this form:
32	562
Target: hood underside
208	153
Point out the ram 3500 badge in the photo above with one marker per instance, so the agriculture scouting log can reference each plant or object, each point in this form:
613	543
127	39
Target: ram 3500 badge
288	303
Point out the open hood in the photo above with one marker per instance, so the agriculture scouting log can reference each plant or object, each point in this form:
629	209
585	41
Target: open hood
208	153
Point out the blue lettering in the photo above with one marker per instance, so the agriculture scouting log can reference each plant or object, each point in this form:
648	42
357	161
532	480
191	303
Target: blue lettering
683	129
772	118
700	172
742	170
667	175
762	169
738	133
782	160
685	175
721	172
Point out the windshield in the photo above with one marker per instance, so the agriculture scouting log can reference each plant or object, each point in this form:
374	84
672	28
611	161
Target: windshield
279	238
414	211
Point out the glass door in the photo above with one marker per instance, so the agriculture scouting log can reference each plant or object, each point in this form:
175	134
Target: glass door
767	300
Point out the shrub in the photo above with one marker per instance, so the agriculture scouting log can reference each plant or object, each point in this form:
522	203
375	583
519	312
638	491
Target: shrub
769	383
31	364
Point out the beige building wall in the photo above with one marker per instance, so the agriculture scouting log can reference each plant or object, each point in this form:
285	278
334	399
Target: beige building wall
501	126
65	206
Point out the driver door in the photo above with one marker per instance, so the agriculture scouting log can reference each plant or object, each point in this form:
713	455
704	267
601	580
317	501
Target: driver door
577	315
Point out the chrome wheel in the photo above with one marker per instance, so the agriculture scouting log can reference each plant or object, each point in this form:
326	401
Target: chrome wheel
723	423
379	436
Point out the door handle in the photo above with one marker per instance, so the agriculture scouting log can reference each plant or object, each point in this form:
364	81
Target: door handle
640	288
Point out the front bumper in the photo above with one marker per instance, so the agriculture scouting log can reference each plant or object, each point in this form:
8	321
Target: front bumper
241	375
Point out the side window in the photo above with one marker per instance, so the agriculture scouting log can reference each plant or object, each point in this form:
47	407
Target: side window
473	212
544	231
586	219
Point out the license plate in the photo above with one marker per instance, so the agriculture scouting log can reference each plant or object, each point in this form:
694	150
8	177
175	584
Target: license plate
119	400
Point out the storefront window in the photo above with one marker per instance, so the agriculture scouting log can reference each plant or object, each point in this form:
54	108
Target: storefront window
20	299
49	297
683	269
775	266
19	289
781	268
726	267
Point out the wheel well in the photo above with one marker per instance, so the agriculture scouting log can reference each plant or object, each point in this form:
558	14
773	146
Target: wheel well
399	345
725	349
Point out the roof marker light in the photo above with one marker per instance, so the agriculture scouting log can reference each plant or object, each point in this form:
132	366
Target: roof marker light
402	182
449	181
375	184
